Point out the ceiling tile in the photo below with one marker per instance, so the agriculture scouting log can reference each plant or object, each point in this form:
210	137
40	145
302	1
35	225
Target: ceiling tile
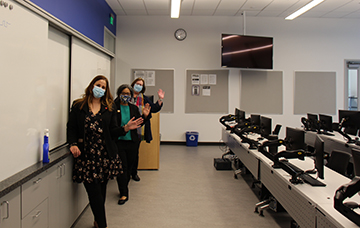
157	4
231	4
256	5
270	13
353	15
253	8
226	12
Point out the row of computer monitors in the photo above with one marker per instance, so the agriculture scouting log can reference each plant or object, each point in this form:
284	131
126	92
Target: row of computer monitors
295	138
349	121
264	123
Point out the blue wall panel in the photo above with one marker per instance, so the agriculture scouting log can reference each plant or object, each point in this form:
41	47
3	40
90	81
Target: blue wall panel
86	16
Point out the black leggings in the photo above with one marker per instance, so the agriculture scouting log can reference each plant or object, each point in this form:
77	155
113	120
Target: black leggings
97	194
136	163
127	151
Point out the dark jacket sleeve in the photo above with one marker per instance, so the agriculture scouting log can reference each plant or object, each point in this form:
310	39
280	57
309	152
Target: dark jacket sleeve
72	127
155	107
115	129
136	114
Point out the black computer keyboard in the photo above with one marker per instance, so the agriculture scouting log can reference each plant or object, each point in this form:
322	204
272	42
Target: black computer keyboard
311	180
304	176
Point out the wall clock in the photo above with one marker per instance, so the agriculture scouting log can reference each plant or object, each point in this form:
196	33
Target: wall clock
180	34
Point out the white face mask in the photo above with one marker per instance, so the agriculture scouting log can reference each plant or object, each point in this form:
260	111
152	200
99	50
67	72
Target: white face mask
98	92
138	88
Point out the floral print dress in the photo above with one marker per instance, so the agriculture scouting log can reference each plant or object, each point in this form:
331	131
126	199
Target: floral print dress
94	165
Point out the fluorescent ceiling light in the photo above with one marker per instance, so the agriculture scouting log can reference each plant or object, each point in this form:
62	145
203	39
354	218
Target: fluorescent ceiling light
305	8
175	8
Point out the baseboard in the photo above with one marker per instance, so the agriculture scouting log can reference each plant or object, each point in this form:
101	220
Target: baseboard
184	143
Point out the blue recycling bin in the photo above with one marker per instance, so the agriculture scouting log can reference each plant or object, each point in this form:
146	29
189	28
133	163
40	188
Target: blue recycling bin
192	138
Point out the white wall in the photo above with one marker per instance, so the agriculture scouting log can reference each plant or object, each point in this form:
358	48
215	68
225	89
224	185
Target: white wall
299	45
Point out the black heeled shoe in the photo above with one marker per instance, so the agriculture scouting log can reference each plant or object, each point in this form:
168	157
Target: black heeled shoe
136	178
123	201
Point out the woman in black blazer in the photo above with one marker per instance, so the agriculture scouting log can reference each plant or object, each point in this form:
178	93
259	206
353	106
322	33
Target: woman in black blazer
140	100
128	145
91	130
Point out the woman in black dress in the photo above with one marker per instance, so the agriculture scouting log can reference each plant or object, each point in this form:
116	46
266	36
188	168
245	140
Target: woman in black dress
91	131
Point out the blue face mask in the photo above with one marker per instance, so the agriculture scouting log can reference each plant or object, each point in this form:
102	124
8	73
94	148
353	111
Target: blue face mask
138	88
98	92
125	98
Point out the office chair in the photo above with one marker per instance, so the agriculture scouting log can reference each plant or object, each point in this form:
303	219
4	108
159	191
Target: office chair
277	129
351	130
339	161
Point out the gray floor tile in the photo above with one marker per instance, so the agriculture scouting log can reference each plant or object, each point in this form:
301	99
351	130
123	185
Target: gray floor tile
187	191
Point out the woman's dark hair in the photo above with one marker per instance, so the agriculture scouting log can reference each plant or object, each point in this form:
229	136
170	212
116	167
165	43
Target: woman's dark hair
106	100
139	79
122	87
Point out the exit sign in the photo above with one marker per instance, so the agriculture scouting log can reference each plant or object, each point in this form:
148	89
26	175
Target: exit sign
111	19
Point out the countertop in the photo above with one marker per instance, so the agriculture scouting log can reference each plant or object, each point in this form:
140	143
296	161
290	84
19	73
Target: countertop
23	176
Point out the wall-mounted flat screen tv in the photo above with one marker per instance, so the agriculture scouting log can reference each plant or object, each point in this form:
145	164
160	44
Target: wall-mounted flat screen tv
240	51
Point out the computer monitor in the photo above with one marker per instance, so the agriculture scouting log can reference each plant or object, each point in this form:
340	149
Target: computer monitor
348	118
349	123
319	156
255	121
239	115
326	124
313	122
295	139
265	126
356	161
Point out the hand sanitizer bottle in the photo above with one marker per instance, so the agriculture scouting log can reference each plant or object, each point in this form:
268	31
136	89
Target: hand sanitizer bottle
46	147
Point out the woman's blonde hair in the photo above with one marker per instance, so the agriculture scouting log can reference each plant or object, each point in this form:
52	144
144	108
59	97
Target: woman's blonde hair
107	100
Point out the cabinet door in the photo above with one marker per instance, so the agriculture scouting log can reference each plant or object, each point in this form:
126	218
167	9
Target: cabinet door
33	193
66	199
73	195
38	217
55	220
10	210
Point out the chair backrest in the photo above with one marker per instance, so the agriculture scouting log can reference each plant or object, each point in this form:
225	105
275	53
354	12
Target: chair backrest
356	161
277	129
351	130
339	161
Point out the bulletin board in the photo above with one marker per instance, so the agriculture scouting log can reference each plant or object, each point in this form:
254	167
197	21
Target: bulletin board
207	91
315	92
262	91
156	79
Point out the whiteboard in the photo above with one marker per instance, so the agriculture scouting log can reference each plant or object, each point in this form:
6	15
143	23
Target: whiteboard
87	62
58	63
24	38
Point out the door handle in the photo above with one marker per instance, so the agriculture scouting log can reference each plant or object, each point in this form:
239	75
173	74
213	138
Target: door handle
7	209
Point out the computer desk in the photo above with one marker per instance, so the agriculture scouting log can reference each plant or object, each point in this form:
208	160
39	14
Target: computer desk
246	156
336	142
309	206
